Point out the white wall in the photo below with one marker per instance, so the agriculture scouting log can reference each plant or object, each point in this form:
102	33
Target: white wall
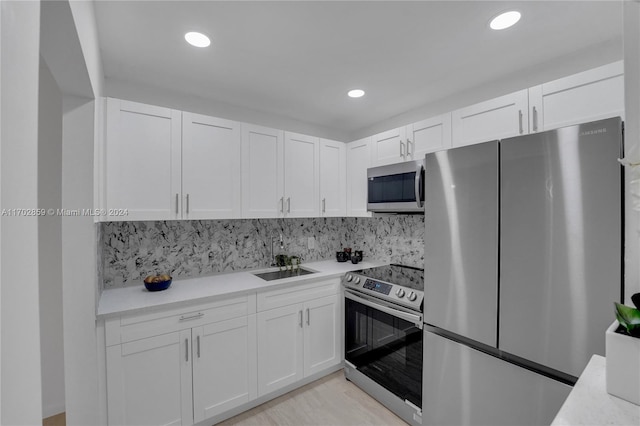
50	240
84	18
20	393
69	46
632	144
79	264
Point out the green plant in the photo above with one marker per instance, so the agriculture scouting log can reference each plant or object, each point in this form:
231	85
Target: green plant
629	317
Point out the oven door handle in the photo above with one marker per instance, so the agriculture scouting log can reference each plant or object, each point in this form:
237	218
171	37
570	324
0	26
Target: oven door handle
407	316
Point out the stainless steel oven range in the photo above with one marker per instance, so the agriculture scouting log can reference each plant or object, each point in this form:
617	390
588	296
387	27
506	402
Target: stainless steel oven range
383	336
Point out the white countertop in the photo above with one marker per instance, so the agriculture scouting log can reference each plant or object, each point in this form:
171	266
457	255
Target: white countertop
590	404
137	298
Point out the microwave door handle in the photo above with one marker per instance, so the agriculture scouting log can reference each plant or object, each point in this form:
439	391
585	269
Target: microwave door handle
417	185
412	318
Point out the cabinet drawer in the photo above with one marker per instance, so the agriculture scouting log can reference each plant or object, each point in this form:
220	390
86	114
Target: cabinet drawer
128	328
297	293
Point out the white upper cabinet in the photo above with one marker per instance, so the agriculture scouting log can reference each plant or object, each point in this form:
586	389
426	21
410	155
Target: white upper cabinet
433	134
587	96
333	177
389	147
141	161
211	178
497	118
262	172
358	160
301	175
412	142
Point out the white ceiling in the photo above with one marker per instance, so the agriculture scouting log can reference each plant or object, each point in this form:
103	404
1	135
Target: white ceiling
297	59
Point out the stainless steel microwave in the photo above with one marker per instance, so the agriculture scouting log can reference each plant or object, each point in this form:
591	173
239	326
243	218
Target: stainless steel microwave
396	188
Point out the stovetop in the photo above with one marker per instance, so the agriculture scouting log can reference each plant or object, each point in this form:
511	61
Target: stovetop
399	284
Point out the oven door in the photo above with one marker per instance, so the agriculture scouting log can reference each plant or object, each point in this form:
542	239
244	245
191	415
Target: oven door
384	342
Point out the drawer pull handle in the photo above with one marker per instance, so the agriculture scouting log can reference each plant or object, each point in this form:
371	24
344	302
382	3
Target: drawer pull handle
192	317
186	350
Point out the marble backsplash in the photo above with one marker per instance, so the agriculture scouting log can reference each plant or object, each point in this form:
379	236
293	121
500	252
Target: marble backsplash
128	251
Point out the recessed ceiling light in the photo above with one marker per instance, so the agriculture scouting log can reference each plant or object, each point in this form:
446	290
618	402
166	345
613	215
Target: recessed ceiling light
356	93
197	39
505	20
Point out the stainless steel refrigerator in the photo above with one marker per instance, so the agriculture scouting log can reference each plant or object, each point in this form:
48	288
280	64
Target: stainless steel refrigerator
523	246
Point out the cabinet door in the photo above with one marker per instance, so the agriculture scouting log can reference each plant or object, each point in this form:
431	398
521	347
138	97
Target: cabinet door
301	175
322	334
433	134
210	167
587	96
224	366
497	118
280	346
142	161
389	147
358	160
149	381
333	177
262	172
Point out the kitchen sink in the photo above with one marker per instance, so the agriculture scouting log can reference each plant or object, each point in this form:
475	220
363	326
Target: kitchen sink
278	275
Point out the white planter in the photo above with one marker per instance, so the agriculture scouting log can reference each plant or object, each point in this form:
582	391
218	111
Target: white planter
623	365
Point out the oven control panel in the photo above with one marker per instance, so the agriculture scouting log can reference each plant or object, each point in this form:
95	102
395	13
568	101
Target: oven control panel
377	286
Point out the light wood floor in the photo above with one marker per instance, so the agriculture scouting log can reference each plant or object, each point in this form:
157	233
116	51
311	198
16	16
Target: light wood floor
330	401
57	420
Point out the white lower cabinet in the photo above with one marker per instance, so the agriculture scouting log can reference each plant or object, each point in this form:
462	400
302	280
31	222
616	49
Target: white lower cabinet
322	334
149	381
296	341
299	333
185	365
280	347
193	365
224	366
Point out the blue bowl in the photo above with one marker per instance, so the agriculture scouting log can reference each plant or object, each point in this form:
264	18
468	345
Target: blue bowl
162	285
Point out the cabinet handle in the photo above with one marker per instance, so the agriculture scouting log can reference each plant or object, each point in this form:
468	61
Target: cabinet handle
409	143
186	350
308	317
535	119
281	204
177	204
300	314
196	316
402	149
289	205
187	203
520	120
198	345
324	205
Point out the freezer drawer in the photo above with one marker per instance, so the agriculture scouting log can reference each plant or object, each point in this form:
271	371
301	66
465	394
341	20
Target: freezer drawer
463	386
461	241
560	243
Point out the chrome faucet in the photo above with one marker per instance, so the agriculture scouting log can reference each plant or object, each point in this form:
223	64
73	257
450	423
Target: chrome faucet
273	239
